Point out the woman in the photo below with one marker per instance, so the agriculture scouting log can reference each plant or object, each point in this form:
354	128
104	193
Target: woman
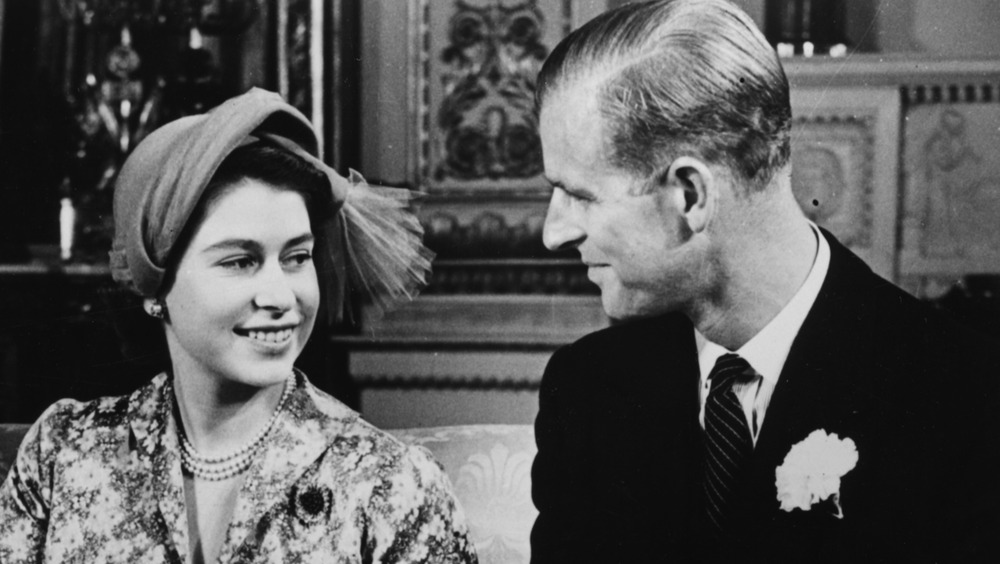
225	225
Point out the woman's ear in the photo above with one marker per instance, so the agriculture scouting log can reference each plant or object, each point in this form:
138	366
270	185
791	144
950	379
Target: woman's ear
693	180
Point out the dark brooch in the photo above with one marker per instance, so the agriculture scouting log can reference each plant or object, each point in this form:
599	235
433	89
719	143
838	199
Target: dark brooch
311	504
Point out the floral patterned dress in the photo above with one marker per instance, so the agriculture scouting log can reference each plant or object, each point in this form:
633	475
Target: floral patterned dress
101	481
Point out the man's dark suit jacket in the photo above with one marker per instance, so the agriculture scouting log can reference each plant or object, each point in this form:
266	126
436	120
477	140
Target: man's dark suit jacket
618	472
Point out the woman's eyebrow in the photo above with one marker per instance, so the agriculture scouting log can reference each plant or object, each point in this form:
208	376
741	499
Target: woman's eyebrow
251	245
229	244
301	239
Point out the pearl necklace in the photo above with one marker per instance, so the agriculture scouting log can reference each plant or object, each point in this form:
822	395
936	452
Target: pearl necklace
222	467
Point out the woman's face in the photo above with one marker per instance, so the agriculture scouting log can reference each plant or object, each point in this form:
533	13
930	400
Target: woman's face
245	295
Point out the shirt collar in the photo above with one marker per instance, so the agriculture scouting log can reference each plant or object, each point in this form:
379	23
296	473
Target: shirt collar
767	351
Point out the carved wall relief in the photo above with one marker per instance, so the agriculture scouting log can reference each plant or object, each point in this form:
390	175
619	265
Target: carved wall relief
952	188
832	175
845	152
489	252
315	72
487	126
475	65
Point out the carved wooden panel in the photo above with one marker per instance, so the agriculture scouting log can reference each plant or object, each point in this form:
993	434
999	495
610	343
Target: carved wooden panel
832	161
474	70
311	68
494	246
844	167
538	319
951	188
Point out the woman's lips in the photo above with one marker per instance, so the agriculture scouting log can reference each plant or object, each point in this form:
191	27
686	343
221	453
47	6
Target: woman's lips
268	336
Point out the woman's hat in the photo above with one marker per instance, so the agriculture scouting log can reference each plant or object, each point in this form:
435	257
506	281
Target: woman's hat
373	243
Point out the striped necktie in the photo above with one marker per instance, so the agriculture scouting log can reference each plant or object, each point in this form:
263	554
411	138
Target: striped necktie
728	443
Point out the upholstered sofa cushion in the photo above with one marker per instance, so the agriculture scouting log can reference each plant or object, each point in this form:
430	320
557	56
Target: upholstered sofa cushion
489	465
490	468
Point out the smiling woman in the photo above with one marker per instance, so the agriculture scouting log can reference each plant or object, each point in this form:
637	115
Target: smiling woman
232	231
244	294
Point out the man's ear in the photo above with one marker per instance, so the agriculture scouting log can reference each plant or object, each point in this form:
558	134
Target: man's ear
692	179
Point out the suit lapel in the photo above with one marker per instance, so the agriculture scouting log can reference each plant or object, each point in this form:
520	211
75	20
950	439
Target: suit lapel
658	397
821	385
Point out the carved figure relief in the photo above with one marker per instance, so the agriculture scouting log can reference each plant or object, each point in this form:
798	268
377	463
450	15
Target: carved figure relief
953	194
487	121
832	176
819	183
948	160
299	37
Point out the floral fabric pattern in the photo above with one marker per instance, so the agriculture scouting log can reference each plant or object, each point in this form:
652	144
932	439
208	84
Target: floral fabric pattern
101	481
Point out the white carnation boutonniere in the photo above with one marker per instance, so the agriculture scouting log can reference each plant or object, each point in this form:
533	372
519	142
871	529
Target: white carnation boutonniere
812	471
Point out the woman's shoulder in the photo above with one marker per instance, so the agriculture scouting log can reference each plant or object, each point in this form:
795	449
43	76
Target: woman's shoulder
348	423
68	414
398	490
67	420
367	446
70	431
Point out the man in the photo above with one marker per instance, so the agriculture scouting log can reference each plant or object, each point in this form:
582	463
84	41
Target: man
766	397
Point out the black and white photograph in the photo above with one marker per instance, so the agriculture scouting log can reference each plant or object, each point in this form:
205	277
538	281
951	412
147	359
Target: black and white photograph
499	281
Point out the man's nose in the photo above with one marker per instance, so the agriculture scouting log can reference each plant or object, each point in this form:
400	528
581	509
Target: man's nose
561	229
275	291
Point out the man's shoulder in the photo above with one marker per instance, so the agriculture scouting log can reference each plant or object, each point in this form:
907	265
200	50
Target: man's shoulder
636	334
626	351
853	290
862	304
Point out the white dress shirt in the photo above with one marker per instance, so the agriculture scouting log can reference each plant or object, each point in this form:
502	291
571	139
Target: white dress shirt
767	351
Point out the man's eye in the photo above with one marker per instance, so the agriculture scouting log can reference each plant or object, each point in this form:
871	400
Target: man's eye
571	194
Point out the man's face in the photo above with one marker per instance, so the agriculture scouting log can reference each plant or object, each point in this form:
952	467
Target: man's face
630	242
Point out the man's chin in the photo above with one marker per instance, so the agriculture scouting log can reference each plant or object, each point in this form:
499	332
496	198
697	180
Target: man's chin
619	308
616	308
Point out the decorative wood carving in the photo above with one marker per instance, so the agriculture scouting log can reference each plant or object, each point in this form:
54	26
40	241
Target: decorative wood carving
845	145
437	382
488	233
489	252
487	129
479	321
300	43
948	107
832	166
952	185
310	64
401	365
474	68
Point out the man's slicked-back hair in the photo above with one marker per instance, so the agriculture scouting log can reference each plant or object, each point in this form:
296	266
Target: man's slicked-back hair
680	76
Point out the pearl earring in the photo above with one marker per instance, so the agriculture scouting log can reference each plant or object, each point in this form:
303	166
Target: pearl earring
155	308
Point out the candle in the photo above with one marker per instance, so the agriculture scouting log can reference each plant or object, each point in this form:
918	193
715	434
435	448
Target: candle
67	228
808	26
